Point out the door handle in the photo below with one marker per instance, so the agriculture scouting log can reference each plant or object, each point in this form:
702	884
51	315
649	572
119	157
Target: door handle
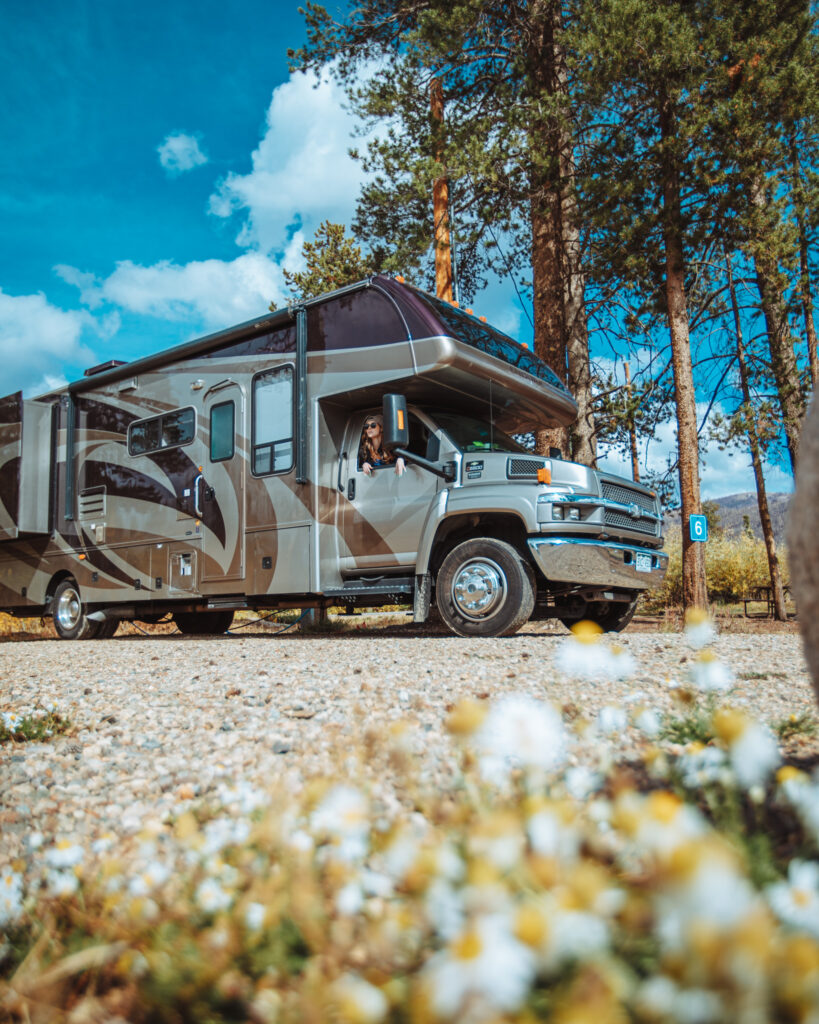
351	489
341	461
196	507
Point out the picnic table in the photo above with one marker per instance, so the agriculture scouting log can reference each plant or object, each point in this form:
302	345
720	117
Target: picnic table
763	595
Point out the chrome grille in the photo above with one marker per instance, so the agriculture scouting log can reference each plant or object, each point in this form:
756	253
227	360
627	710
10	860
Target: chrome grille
523	469
625	522
626	495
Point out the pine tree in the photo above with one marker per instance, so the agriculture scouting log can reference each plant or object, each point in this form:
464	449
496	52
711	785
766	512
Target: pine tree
332	260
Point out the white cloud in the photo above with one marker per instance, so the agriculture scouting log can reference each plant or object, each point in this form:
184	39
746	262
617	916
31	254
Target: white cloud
208	293
180	152
301	172
37	337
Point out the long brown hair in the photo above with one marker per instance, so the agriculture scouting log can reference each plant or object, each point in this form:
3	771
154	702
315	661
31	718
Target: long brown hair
368	452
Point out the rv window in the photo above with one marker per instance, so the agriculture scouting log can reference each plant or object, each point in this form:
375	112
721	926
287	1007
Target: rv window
178	427
221	432
167	431
357	320
272	441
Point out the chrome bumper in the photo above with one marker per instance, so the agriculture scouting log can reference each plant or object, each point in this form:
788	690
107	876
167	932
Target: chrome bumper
596	562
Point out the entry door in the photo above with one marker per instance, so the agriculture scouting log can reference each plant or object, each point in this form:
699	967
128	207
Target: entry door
383	515
220	490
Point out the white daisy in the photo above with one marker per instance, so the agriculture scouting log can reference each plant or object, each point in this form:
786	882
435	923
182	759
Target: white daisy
796	901
485	970
356	1001
519	732
343	817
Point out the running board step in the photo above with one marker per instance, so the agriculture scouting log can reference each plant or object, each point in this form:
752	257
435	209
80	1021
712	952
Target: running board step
386	585
227	602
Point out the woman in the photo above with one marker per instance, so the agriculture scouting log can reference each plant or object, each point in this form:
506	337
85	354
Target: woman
371	453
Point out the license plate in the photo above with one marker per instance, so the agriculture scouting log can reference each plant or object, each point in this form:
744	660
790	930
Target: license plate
642	563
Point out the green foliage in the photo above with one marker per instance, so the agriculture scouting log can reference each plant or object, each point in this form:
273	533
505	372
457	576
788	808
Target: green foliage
694	724
332	260
33	727
796	725
733	567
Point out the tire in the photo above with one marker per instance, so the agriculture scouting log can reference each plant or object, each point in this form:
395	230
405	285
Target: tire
68	613
485	588
610	616
107	629
203	623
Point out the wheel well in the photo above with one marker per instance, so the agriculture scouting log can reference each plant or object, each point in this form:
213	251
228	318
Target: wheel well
503	526
55	581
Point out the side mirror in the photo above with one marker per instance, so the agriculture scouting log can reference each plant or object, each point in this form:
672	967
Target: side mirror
555	453
396	422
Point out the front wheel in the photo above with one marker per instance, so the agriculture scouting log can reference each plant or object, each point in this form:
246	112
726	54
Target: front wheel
485	588
203	623
68	613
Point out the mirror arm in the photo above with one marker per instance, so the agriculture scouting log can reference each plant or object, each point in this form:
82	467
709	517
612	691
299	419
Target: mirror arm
447	473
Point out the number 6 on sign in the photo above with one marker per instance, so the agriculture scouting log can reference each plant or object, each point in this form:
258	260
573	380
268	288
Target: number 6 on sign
698	527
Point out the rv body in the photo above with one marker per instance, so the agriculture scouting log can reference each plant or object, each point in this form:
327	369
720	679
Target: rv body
223	474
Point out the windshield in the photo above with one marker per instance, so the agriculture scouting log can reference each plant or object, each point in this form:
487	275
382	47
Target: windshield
471	435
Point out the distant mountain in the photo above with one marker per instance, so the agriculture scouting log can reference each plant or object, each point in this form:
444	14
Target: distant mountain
732	509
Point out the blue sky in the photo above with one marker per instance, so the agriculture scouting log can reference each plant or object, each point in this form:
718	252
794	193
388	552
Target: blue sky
158	166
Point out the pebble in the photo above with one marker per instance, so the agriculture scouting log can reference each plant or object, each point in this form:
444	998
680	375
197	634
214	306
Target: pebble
138	752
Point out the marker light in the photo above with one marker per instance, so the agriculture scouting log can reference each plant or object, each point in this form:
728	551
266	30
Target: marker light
399	278
470	311
544	475
482	319
400	419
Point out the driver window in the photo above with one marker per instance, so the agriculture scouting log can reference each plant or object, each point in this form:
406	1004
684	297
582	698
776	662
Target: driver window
371	449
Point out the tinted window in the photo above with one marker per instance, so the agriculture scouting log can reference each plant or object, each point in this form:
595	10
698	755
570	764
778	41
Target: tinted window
277	342
272	444
221	432
464	327
360	319
166	431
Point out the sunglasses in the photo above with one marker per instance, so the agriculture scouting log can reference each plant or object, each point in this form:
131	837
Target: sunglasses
371	424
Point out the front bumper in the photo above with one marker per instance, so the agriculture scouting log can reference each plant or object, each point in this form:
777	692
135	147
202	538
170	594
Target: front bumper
597	562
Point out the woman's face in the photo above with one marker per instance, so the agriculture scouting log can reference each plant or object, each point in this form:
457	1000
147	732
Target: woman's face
373	431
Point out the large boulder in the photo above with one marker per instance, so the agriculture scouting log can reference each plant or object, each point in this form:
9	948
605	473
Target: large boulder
803	541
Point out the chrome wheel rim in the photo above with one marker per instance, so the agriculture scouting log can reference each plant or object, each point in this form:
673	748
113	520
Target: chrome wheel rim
69	609
479	588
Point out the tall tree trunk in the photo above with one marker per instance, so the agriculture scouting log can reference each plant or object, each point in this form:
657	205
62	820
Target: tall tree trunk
804	267
632	431
582	433
693	557
775	312
548	270
756	460
440	206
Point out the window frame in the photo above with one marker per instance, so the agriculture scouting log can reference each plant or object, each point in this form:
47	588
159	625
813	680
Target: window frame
213	408
291	367
159	418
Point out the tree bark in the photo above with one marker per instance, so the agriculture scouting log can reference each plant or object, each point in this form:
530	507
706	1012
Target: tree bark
632	432
440	207
556	289
803	552
693	557
804	269
756	460
780	342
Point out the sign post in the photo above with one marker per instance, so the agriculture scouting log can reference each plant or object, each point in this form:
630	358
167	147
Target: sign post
698	528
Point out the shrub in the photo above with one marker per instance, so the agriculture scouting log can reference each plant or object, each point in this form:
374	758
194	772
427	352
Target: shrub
733	566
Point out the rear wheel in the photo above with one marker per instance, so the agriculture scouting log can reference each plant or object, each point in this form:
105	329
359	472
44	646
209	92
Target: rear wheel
610	616
68	613
203	623
485	588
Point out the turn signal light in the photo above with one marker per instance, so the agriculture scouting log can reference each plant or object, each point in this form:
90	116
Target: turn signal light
544	475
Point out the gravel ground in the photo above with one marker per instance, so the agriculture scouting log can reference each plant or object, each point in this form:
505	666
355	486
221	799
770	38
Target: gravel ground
160	720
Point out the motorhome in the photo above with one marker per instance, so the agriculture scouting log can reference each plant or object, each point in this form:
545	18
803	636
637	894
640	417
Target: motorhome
224	474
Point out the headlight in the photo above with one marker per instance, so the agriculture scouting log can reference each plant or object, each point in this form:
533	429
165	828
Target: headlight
557	511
